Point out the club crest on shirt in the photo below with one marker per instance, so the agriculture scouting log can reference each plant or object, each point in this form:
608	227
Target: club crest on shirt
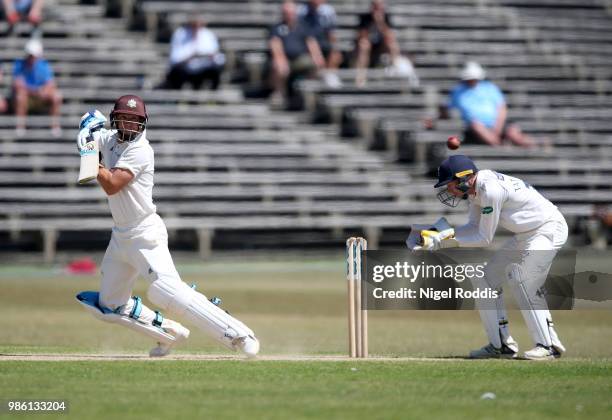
487	210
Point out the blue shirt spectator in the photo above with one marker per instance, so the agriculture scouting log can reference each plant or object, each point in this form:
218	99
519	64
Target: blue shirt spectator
33	81
22	6
478	103
36	75
483	110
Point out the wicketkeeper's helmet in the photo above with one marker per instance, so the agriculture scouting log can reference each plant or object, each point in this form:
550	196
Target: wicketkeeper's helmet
454	167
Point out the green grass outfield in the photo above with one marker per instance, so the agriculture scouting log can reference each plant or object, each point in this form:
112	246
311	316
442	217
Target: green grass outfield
307	389
297	308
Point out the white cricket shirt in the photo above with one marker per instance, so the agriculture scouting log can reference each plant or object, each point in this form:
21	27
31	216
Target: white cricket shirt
506	201
134	202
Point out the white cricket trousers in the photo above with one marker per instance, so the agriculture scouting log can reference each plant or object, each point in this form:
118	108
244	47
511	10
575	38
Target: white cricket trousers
524	262
140	250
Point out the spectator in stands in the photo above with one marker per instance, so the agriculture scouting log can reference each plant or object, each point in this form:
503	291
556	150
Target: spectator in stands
484	111
376	37
3	102
18	10
34	87
599	226
319	19
604	214
195	57
293	53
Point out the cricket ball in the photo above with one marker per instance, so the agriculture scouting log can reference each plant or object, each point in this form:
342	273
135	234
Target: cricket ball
453	143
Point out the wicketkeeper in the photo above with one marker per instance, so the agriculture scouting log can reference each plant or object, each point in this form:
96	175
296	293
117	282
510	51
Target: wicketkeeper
524	261
139	242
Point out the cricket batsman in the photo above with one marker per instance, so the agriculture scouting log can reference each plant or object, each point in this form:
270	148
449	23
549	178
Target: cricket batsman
139	242
524	261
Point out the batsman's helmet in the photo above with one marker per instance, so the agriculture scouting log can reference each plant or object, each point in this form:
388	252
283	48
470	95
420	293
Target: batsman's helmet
129	105
456	167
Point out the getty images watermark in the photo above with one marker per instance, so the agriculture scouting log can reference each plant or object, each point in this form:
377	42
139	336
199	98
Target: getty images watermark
465	279
412	272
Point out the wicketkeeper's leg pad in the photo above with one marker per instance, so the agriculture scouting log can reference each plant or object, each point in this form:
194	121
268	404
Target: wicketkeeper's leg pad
133	315
173	295
533	307
493	315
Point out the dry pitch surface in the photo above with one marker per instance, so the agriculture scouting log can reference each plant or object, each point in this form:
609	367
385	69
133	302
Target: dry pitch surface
38	357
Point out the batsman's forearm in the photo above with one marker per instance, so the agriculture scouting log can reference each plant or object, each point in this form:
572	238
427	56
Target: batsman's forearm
105	179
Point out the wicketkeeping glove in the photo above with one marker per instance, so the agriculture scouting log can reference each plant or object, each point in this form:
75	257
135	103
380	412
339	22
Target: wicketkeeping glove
432	240
432	237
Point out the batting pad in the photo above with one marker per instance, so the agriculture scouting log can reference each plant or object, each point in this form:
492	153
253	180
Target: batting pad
90	301
176	297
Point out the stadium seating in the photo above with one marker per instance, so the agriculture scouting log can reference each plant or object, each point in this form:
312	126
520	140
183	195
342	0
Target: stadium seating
232	173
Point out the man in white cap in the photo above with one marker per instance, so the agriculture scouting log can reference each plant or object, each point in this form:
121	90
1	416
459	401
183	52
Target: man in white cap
483	109
34	86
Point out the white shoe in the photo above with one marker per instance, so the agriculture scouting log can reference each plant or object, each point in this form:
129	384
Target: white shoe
332	80
507	351
56	132
180	334
20	132
249	345
362	78
541	352
277	100
402	67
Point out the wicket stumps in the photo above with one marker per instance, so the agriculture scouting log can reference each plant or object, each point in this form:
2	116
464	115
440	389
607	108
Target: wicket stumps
357	317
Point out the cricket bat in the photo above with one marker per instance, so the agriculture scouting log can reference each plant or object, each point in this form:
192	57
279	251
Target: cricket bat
90	160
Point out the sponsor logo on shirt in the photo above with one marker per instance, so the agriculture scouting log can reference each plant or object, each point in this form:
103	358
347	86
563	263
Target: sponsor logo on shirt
487	210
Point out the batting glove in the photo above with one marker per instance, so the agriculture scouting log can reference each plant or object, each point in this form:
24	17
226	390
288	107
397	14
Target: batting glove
92	120
85	136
